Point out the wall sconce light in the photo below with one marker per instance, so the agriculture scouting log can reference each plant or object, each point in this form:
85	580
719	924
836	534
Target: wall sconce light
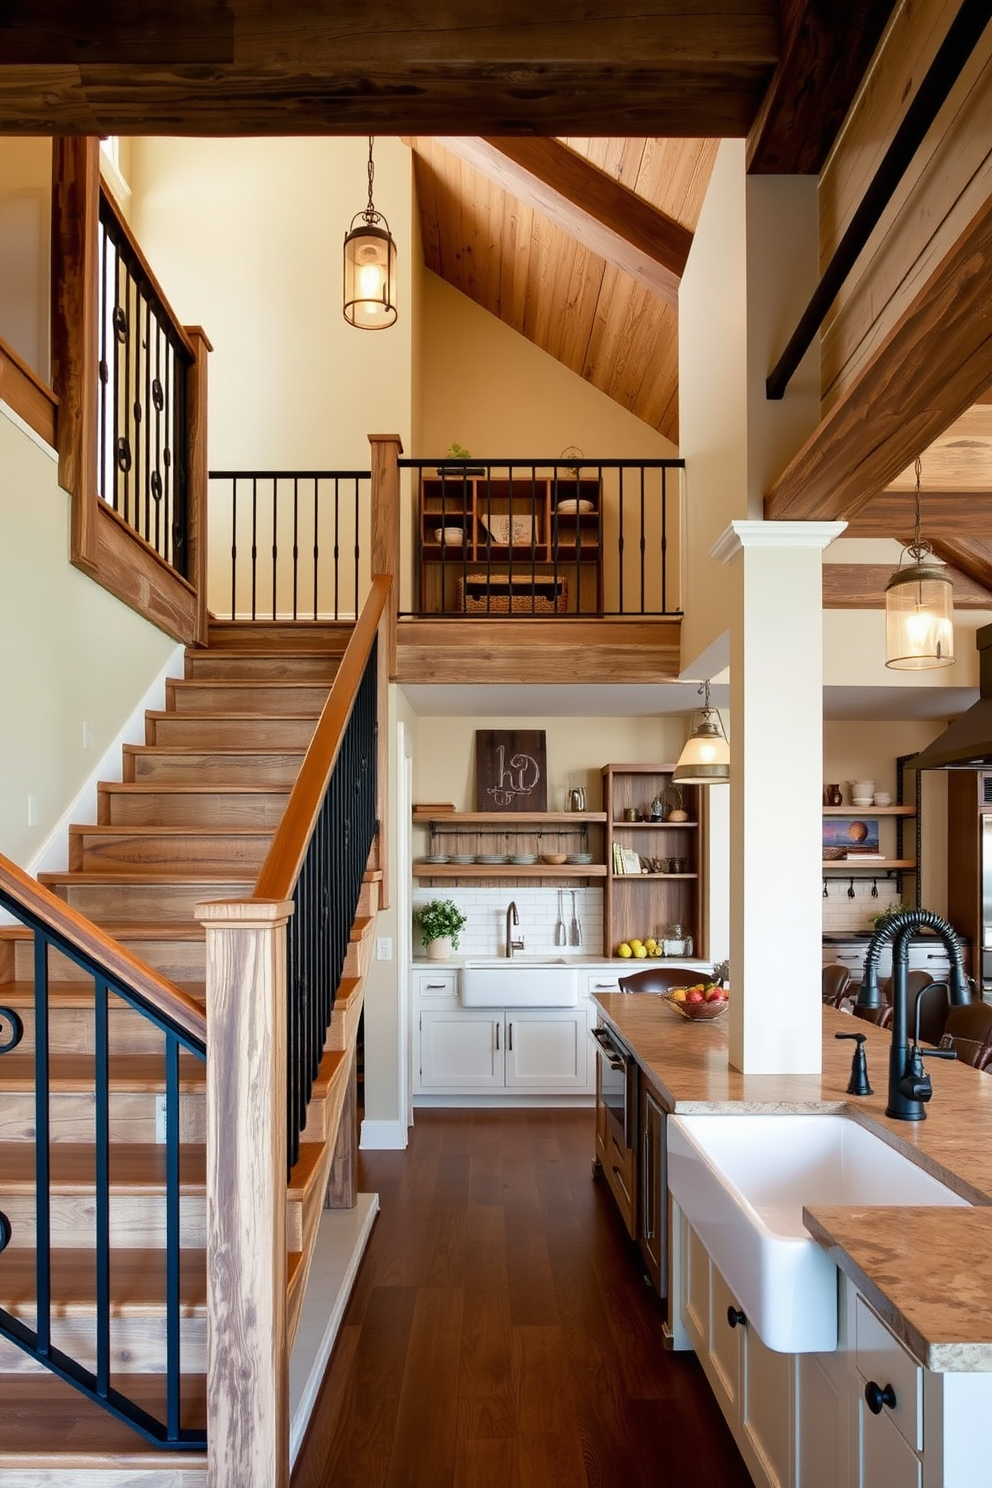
919	607
705	759
369	267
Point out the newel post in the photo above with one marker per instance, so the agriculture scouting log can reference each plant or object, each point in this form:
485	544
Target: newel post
386	450
247	1363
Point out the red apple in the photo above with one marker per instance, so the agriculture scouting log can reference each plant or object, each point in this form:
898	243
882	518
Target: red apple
695	995
716	994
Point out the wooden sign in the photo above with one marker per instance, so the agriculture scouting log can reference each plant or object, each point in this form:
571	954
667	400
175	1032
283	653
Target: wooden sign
511	770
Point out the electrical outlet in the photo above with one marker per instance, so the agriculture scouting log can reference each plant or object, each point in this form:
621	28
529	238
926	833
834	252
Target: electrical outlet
32	811
87	736
160	1119
384	948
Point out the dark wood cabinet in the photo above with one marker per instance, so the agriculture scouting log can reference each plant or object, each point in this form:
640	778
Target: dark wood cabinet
652	1185
969	808
665	888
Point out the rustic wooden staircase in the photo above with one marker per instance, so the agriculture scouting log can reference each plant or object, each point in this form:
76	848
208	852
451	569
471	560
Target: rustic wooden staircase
191	822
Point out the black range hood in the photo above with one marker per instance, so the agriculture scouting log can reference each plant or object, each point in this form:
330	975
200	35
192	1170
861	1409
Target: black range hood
967	744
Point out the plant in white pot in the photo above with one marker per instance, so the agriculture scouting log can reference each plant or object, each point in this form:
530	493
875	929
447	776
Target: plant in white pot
440	921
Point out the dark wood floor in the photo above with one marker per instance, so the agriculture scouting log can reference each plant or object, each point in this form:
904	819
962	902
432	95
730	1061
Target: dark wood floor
501	1334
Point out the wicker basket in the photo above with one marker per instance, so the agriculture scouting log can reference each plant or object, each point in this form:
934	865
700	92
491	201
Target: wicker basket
499	594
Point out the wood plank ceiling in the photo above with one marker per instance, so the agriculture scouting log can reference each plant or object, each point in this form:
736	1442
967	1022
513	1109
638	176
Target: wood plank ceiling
538	277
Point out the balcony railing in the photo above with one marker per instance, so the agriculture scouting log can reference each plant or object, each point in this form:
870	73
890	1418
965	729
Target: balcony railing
545	537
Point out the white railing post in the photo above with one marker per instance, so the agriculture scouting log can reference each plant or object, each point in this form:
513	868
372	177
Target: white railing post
247	1362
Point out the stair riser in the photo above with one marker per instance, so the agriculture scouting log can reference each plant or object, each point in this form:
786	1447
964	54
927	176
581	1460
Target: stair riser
136	1220
187	731
266	698
180	960
139	904
138	807
137	1345
322	636
133	1118
188	1474
213	769
195	851
203	666
70	1030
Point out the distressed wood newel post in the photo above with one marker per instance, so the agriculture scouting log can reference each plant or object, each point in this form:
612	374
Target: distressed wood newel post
386	450
247	1363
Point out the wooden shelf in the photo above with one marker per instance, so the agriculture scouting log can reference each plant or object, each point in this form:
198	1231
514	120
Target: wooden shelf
860	811
619	878
667	825
423	818
870	865
423	869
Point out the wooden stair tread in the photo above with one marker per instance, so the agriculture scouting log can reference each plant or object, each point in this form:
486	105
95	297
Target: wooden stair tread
73	995
128	1072
124	829
225	751
182	788
153	875
124	930
305	1171
137	1282
44	1418
135	1167
218	717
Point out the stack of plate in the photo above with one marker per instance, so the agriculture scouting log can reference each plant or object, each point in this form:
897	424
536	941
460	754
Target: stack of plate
579	858
437	858
462	858
490	857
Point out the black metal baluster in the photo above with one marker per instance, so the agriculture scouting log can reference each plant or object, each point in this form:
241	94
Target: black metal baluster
173	1237
337	543
275	541
115	380
146	427
358	551
664	541
175	444
620	496
234	547
104	366
125	455
316	538
101	1204
296	541
42	1140
644	545
254	541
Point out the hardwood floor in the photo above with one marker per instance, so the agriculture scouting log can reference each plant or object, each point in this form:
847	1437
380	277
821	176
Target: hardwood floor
500	1334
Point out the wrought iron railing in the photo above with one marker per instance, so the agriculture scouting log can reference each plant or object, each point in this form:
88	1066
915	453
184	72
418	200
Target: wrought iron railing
295	540
142	453
178	1033
320	853
546	537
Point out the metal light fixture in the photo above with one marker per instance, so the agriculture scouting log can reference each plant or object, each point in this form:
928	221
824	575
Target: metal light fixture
705	760
919	607
369	267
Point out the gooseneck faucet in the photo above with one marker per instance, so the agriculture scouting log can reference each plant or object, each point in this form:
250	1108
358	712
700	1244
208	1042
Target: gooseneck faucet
511	944
909	1085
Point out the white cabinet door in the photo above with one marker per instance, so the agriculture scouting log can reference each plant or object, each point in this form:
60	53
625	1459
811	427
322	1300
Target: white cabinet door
886	1460
461	1049
767	1408
547	1049
725	1352
822	1426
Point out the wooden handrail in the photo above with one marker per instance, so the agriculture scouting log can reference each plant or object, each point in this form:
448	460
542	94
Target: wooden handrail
181	335
160	994
281	868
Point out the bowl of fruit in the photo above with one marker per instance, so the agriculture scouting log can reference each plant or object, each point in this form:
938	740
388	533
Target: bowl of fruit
701	1001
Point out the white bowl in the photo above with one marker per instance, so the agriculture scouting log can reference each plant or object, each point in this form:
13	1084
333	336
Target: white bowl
449	536
570	504
882	798
861	801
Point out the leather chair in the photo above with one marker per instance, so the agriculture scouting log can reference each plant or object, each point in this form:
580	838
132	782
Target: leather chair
916	980
968	1031
835	985
660	979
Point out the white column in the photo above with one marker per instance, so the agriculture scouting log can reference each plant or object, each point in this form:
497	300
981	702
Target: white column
776	761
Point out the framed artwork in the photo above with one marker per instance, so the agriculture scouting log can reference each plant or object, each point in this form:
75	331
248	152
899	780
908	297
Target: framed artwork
850	834
511	770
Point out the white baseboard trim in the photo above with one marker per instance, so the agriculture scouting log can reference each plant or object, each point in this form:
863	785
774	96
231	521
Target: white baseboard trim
341	1240
383	1136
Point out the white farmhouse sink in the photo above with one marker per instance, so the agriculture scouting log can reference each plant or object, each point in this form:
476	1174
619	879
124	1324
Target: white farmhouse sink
742	1182
519	983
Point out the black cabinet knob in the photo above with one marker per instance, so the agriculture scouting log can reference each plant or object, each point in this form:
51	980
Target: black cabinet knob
876	1396
735	1317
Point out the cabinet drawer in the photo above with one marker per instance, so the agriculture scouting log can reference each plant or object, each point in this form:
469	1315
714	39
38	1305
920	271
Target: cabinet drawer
436	984
602	981
882	1358
885	1459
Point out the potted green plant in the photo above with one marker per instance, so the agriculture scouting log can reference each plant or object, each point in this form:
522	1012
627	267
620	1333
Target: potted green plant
440	921
885	915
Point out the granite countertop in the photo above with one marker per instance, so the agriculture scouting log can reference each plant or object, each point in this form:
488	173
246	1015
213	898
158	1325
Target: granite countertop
928	1272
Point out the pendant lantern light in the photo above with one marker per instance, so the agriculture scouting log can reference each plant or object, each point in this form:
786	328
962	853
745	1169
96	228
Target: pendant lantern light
369	267
919	607
705	760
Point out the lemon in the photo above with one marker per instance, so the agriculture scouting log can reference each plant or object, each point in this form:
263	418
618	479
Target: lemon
624	950
635	943
640	951
650	943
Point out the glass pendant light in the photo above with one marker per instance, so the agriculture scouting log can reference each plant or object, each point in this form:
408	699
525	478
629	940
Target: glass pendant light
369	267
705	760
919	607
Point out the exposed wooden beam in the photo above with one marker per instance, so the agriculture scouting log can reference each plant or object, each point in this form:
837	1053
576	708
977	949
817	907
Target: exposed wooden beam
927	371
608	218
220	67
972	558
959	460
824	52
891	513
861	586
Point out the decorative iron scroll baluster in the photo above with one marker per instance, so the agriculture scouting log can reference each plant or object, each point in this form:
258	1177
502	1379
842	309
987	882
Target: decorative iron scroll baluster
328	886
142	459
38	1342
9	1015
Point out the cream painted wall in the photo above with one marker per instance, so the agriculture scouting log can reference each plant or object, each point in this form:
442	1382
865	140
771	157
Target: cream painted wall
245	236
73	653
25	249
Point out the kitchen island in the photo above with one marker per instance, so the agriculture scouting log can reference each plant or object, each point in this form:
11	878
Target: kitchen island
920	1278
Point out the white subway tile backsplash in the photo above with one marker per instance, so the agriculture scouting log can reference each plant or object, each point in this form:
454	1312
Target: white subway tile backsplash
537	910
842	912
